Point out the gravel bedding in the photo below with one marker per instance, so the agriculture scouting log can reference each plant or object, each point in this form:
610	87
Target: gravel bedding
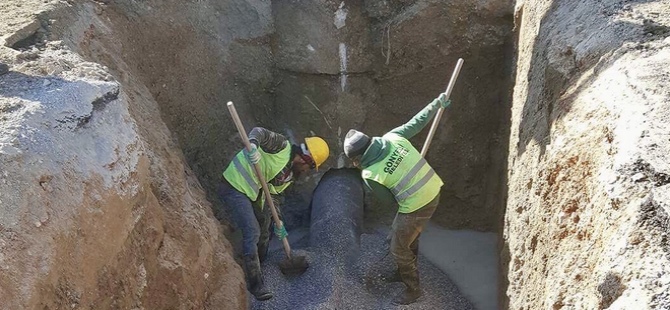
351	281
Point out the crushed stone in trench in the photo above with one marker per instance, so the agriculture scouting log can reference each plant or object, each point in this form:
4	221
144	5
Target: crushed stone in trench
330	283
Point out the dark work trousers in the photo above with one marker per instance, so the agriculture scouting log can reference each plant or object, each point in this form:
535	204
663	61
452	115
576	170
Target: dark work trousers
406	229
248	217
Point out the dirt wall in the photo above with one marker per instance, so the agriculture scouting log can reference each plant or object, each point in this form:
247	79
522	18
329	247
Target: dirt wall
372	65
318	67
587	215
98	206
193	57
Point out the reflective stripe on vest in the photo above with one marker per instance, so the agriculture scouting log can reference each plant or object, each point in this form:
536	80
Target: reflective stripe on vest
408	177
415	188
240	169
241	175
405	173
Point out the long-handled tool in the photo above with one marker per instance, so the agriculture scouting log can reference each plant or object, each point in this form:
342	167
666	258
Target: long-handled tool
436	122
292	264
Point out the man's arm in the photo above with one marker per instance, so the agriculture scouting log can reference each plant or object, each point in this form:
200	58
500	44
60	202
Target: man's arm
271	142
421	119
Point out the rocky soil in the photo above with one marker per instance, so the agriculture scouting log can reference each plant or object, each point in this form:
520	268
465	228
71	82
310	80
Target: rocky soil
98	208
113	135
139	84
587	219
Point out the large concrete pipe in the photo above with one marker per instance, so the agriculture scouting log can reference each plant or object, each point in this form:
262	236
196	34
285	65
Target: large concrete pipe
337	213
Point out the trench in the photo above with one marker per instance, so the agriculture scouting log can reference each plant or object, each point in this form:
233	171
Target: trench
321	68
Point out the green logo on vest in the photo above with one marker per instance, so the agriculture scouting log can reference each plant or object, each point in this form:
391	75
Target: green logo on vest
396	158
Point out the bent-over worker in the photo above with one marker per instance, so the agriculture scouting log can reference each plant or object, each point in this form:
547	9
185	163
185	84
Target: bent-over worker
394	170
281	163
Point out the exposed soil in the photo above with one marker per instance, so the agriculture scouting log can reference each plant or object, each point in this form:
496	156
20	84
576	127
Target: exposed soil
114	133
401	61
588	157
99	208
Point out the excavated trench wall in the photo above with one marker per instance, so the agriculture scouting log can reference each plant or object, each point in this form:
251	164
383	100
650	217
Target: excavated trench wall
192	57
98	207
587	223
298	67
372	65
318	67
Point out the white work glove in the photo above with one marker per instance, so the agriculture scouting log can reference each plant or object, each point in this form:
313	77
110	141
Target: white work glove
253	156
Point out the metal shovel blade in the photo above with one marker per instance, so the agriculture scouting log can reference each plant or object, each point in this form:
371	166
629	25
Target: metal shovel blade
296	265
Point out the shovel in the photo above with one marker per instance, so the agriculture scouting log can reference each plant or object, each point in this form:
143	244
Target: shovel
436	121
292	264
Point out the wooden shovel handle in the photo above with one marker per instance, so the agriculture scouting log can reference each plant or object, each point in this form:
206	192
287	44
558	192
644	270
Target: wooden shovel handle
257	169
436	121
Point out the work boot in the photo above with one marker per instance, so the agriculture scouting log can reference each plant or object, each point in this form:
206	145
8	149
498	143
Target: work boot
255	278
392	276
410	277
407	297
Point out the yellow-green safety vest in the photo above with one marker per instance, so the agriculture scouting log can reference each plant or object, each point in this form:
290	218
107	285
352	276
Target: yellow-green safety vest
406	173
242	176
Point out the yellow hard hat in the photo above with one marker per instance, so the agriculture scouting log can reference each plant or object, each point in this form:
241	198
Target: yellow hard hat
318	149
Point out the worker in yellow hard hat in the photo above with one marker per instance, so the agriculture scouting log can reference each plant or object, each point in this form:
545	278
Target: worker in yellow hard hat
281	163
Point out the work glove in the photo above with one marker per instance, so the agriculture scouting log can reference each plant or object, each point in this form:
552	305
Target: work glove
280	230
253	156
443	101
